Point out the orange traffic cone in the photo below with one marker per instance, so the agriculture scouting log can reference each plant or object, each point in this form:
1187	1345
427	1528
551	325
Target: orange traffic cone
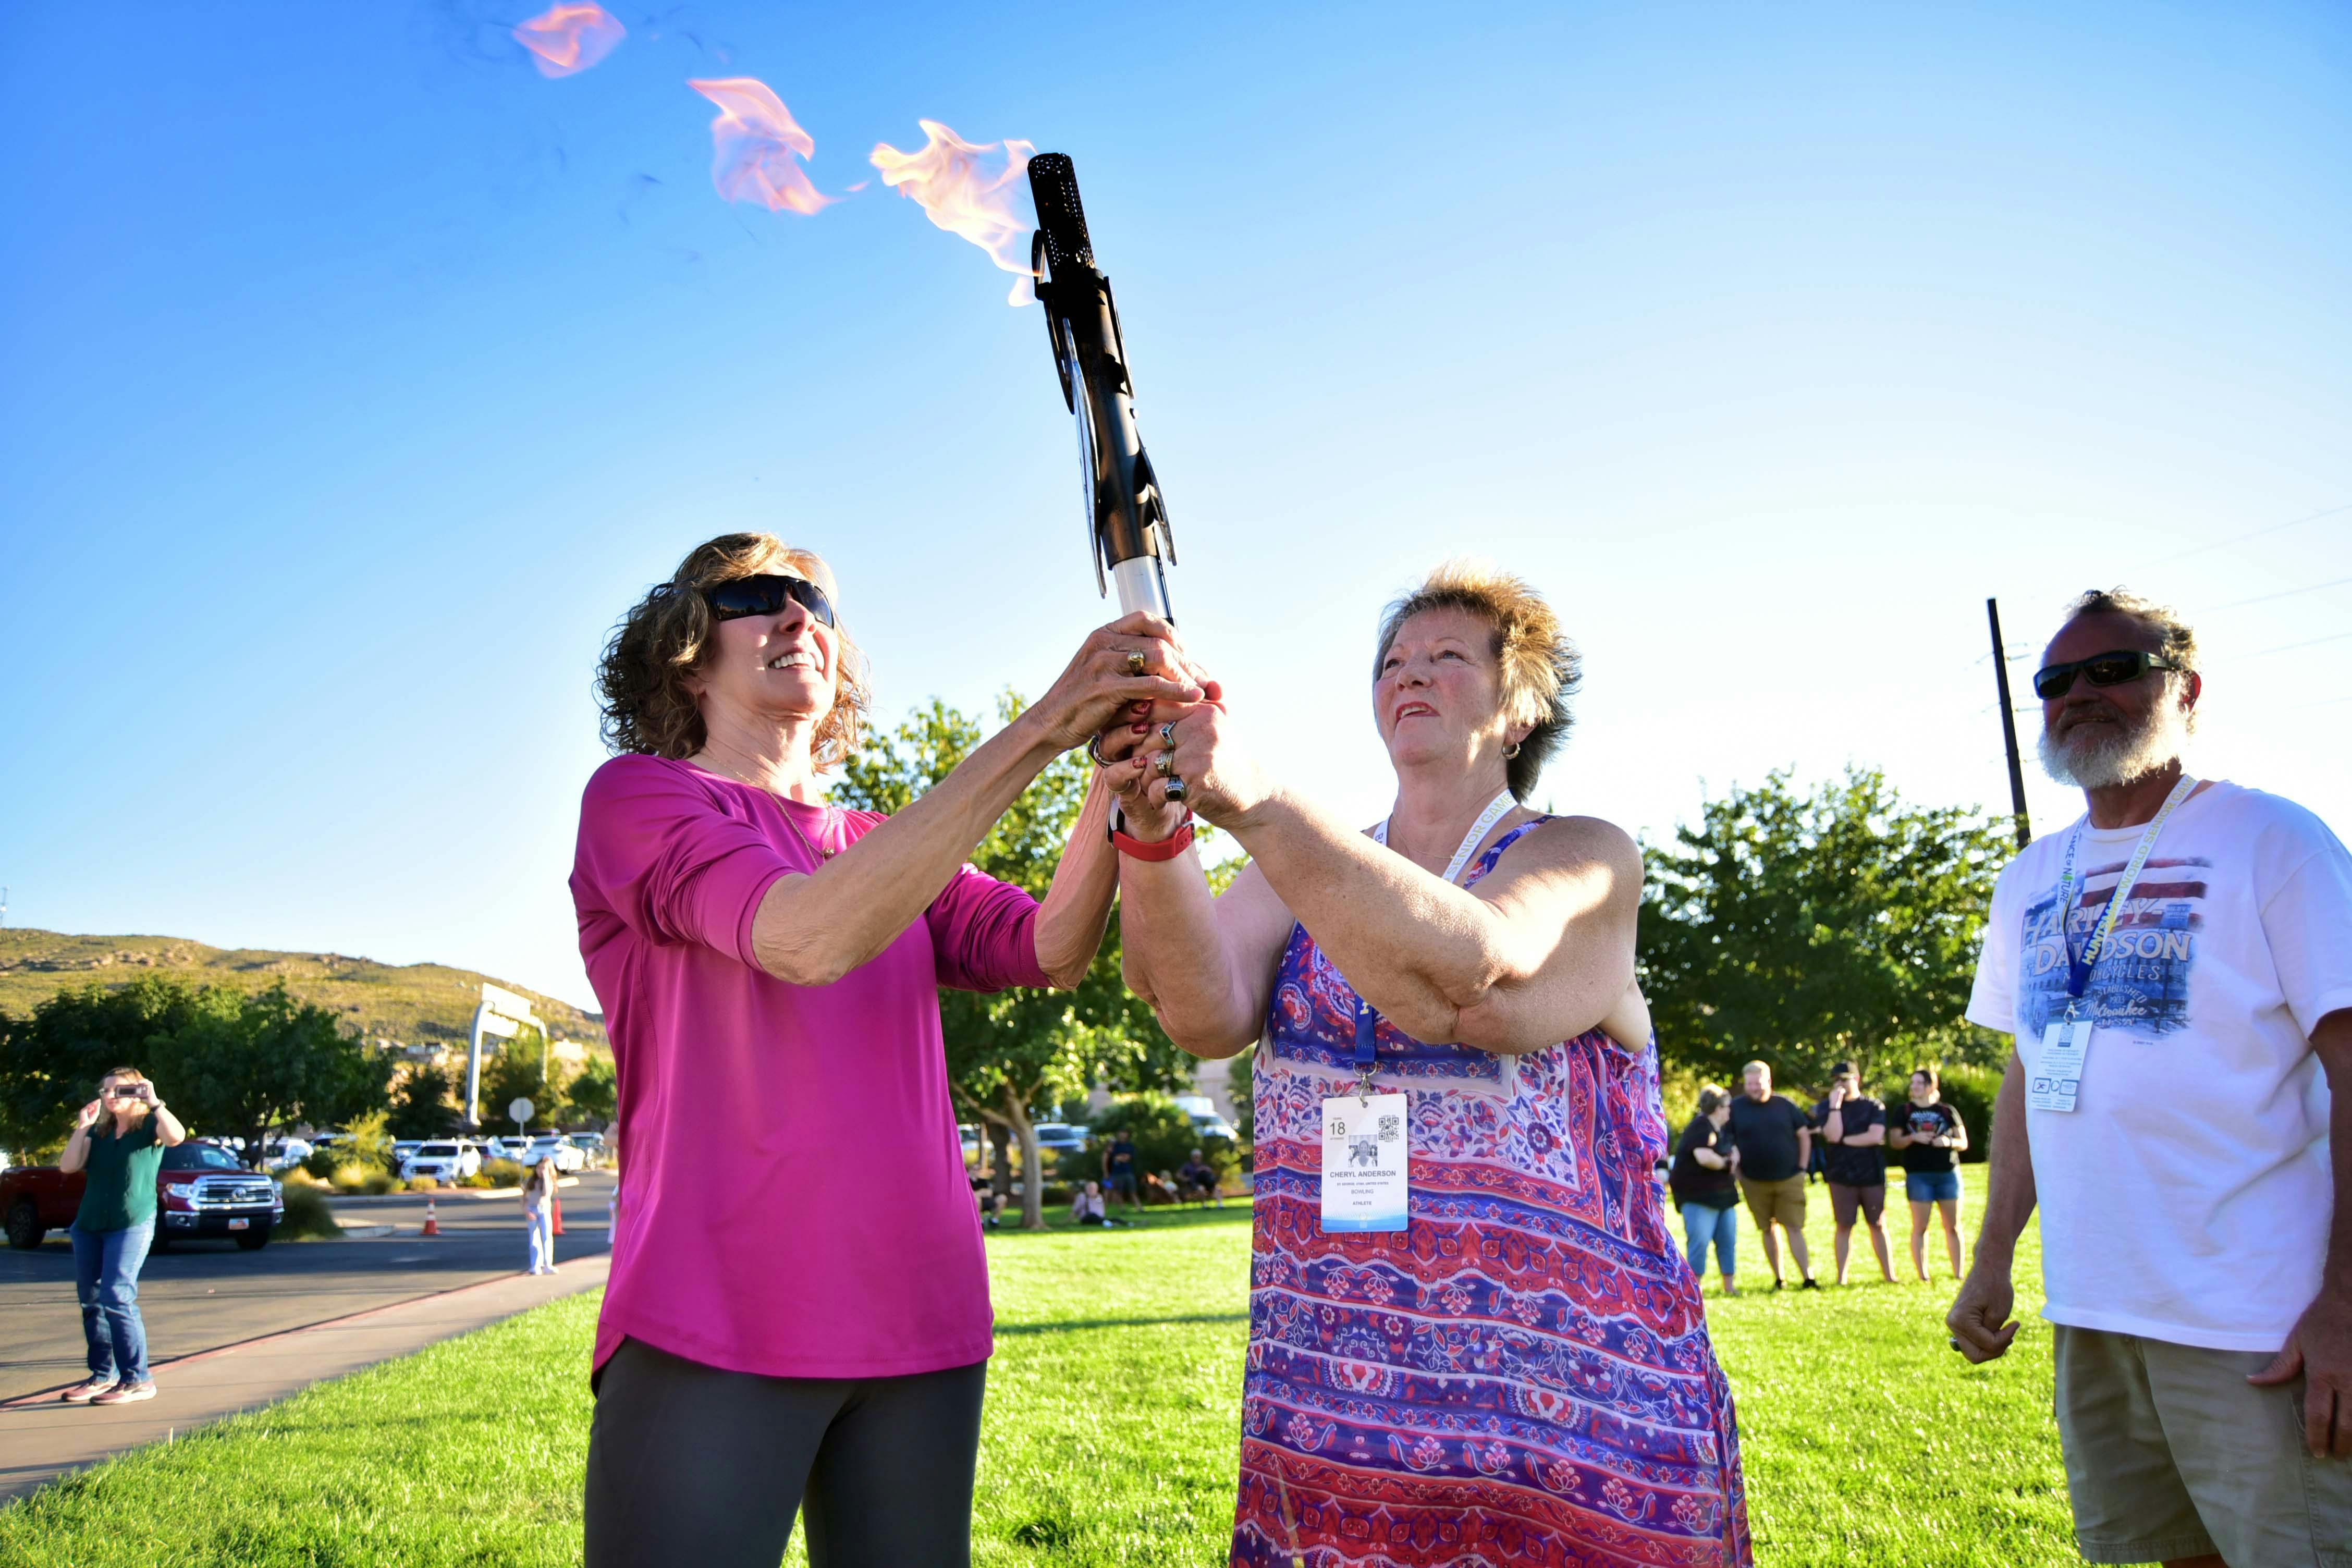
557	1204
432	1221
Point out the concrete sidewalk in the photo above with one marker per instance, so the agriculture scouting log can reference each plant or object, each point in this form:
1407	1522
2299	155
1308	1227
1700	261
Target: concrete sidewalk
41	1437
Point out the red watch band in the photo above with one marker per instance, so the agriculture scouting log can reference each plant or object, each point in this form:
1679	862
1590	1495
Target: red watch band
1168	849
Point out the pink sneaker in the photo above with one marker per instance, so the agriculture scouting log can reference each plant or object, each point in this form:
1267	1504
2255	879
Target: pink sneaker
84	1392
126	1392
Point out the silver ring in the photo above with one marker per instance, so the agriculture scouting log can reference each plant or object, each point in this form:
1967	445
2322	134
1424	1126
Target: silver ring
1135	662
1954	1342
1175	790
1168	731
1094	752
1163	764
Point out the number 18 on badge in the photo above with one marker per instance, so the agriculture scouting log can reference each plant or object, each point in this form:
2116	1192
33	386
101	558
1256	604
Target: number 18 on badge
1364	1154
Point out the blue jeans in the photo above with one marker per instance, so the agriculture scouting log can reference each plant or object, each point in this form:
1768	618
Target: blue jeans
105	1281
1702	1224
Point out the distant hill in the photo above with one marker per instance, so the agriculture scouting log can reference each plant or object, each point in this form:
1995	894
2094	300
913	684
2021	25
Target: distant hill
416	1004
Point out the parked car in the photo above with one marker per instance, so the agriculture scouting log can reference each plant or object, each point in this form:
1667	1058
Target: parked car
506	1146
442	1159
558	1147
202	1191
1060	1137
285	1155
593	1145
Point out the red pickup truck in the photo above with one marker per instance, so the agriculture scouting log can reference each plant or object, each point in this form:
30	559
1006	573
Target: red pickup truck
202	1190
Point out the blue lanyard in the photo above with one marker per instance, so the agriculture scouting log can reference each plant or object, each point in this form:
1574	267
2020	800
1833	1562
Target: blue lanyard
2079	965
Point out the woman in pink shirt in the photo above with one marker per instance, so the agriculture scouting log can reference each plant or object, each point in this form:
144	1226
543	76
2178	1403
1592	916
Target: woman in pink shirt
769	968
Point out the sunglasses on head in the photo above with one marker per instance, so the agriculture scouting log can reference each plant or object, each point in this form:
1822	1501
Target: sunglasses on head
2100	670
766	595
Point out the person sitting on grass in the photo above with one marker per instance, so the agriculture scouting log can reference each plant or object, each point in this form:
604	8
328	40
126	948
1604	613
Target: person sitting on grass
1197	1182
1087	1206
118	1140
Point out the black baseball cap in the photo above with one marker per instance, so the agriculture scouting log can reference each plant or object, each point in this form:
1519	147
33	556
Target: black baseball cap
1843	1069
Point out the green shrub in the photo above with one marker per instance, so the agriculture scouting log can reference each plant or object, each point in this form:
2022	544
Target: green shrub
477	1181
501	1174
308	1215
422	1184
320	1162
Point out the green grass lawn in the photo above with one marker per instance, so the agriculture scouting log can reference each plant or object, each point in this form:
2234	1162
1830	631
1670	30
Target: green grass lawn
1113	1408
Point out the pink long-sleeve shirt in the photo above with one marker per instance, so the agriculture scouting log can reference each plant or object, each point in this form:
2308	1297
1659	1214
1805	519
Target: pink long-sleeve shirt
793	1198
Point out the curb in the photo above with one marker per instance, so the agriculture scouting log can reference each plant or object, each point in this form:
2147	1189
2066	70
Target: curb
460	1195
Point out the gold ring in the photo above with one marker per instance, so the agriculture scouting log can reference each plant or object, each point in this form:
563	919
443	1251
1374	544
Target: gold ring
1135	663
1162	764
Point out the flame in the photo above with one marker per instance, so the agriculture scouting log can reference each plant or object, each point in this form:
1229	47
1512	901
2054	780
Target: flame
945	177
758	147
570	36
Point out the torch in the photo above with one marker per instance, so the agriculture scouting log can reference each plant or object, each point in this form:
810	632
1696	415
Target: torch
1126	525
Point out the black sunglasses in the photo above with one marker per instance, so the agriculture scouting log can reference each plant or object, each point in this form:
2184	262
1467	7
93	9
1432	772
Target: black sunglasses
2100	670
765	595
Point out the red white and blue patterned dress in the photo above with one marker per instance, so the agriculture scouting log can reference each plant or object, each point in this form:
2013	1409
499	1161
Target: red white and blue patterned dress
1522	1376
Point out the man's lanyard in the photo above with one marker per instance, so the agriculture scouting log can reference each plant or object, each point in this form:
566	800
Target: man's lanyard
2079	966
1368	1019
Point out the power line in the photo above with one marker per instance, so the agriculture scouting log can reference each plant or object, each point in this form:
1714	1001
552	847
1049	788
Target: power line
2290	648
2266	598
2257	533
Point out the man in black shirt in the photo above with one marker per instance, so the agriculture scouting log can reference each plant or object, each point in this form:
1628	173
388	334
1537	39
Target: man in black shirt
1855	1127
1775	1146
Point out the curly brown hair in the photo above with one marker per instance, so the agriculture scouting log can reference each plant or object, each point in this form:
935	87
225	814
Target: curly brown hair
641	683
1539	666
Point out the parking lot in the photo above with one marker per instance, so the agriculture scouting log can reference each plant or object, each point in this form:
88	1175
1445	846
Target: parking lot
202	1295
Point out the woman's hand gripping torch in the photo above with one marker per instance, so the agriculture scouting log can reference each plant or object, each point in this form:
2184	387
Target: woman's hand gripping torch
1126	524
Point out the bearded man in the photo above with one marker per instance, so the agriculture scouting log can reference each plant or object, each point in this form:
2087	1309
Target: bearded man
2176	967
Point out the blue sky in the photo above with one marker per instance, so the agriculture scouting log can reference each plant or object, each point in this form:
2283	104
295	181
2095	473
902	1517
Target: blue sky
358	377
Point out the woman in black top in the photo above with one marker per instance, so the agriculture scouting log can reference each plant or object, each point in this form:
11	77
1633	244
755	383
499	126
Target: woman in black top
1705	1187
1929	1135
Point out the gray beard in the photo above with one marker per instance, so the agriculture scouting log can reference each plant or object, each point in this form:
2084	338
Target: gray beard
2102	757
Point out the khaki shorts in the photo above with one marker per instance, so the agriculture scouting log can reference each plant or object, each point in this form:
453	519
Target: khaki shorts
2171	1453
1844	1200
1769	1200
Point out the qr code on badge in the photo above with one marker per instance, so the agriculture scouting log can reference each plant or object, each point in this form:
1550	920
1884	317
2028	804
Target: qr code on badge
1391	1128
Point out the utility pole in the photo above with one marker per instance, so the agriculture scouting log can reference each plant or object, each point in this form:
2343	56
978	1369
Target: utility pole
2009	728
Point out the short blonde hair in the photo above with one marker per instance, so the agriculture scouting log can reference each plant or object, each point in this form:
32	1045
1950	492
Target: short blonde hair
1764	1068
1539	667
642	678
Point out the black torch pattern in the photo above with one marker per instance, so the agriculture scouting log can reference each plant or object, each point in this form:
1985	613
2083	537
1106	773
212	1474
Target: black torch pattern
1126	524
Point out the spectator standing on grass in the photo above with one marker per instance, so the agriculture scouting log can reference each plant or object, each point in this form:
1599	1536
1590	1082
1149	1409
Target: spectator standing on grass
769	969
1118	1172
1775	1146
1703	1182
1929	1135
539	1214
2176	969
1854	1136
118	1144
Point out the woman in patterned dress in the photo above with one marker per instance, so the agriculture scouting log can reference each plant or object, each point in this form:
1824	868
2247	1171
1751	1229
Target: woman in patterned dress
1522	1375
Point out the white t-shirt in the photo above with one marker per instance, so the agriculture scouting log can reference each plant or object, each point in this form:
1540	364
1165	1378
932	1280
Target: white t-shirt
2187	1198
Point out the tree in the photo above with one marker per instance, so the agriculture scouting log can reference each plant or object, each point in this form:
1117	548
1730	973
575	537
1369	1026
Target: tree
425	1105
523	1070
1800	930
51	1062
1020	1048
594	1092
254	1063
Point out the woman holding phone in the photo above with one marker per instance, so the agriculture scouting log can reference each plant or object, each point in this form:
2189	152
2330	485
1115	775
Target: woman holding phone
1487	1347
117	1142
769	968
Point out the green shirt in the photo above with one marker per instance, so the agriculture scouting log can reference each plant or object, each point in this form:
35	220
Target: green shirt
121	1176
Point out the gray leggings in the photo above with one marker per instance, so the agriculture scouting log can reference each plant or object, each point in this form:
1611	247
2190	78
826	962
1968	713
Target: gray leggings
688	1463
